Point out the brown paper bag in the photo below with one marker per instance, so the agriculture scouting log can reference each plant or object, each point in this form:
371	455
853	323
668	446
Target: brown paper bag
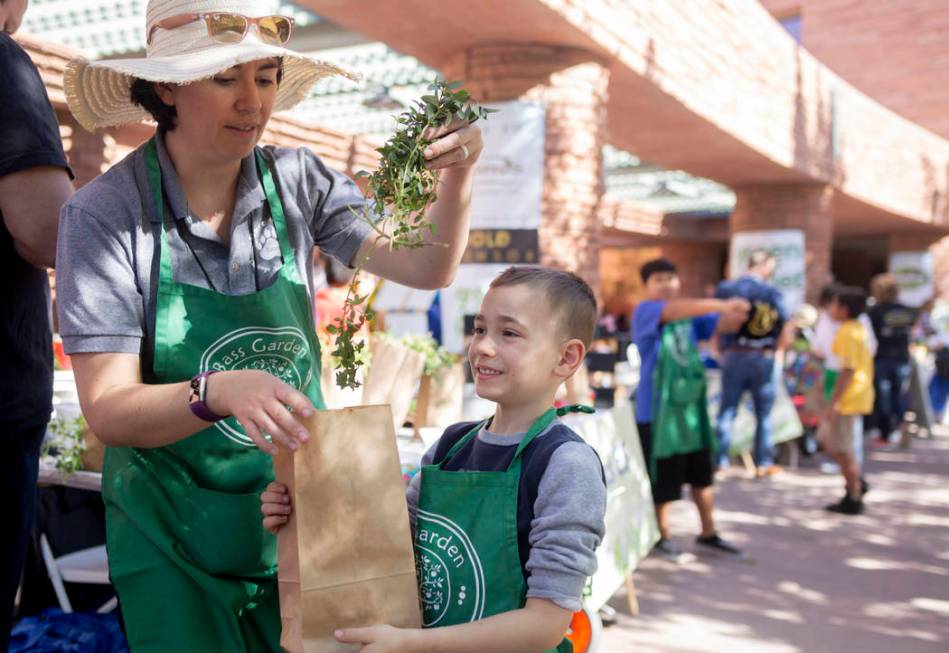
440	397
345	555
393	376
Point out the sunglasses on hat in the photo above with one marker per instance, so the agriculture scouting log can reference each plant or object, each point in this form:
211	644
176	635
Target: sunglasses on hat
232	28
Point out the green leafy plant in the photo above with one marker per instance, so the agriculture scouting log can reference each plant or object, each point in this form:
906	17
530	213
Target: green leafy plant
437	358
400	190
64	445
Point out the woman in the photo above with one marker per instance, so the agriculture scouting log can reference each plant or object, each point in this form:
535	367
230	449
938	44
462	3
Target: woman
185	289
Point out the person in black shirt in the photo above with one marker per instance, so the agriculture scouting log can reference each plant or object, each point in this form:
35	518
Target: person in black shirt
748	358
34	183
892	323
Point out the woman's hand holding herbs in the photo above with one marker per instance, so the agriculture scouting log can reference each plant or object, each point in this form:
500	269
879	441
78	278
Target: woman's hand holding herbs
437	135
455	145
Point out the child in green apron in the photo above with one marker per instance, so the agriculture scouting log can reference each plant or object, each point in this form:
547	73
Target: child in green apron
508	512
185	281
671	402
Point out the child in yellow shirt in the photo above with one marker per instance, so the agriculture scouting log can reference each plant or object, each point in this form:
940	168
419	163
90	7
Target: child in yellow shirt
852	395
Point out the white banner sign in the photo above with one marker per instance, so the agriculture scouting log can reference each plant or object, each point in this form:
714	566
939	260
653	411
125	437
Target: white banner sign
787	245
509	175
914	274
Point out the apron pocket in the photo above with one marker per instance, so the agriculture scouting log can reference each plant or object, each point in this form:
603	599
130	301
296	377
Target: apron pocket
227	536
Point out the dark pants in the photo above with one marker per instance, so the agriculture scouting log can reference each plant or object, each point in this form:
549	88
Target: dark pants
753	372
19	465
890	382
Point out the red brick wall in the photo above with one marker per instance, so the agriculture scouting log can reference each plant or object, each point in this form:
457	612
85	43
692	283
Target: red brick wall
897	52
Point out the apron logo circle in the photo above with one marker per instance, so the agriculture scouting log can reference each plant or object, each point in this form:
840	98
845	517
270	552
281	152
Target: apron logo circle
450	575
283	352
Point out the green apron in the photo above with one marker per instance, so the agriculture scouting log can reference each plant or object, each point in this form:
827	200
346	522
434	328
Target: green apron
466	550
680	414
830	380
193	567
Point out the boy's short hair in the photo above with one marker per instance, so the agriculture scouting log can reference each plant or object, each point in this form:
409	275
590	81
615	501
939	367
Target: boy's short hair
656	266
827	294
759	257
570	297
853	299
885	287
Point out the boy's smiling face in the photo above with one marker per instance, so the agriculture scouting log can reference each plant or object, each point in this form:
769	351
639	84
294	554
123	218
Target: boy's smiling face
517	347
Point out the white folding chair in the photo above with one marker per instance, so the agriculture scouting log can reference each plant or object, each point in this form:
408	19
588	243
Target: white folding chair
89	566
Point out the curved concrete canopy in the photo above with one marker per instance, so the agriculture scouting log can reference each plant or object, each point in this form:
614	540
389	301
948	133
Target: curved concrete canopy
714	88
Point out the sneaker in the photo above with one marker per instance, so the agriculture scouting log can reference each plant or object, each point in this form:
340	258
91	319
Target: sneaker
665	548
846	506
716	543
864	486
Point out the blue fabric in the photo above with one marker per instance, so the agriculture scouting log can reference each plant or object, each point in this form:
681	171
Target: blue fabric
890	384
754	372
54	631
938	394
754	290
646	331
434	315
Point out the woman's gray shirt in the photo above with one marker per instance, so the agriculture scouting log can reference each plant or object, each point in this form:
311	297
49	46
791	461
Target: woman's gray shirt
107	263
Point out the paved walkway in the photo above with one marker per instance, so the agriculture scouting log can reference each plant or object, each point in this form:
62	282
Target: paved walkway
877	583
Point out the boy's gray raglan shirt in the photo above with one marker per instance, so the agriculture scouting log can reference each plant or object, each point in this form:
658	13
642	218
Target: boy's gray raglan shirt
568	522
107	271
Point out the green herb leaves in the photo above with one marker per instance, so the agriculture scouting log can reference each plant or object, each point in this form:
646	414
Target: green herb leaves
400	191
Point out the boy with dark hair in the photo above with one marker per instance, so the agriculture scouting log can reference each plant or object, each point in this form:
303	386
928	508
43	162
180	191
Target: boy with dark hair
528	493
852	395
671	404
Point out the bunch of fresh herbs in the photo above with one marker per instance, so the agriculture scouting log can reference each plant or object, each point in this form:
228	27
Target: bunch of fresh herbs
401	189
64	445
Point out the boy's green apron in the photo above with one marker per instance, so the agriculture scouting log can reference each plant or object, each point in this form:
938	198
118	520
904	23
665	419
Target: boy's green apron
680	413
192	564
466	549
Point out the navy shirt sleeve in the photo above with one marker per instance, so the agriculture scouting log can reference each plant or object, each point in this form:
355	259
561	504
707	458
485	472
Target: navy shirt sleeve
30	132
29	138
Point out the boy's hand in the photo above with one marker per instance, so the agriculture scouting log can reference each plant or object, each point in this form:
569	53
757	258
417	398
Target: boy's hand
377	639
275	506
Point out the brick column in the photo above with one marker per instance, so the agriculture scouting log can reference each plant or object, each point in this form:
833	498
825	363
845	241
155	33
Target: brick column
572	85
792	206
88	153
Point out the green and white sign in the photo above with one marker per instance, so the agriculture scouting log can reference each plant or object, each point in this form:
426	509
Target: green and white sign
787	245
914	274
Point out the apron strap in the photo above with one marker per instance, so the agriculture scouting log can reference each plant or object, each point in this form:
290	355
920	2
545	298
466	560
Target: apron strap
462	442
154	181
540	425
276	211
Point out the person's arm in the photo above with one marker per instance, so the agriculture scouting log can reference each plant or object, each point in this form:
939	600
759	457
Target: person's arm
434	265
125	412
538	626
732	309
30	201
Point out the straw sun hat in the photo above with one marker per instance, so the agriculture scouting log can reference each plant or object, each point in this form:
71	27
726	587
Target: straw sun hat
98	91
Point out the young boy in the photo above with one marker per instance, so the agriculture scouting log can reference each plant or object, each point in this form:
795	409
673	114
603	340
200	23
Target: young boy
852	395
526	490
671	403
